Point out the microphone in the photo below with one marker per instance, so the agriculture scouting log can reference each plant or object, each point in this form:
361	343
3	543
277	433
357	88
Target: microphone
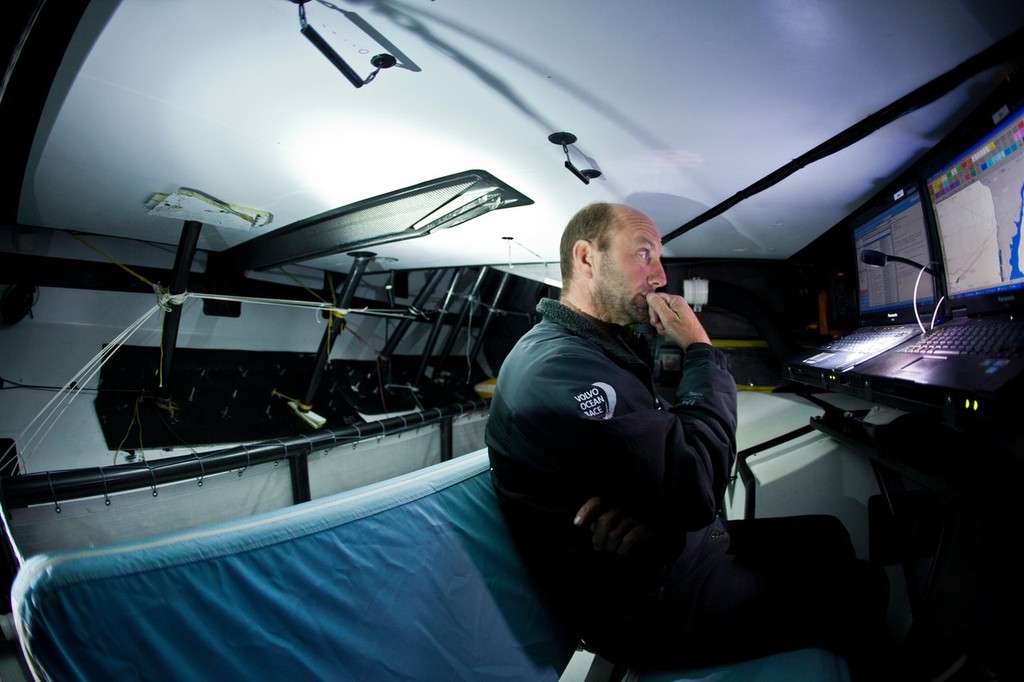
872	257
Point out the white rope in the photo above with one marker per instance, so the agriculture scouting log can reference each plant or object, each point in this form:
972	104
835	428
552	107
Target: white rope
165	299
56	407
413	314
270	301
63	398
51	413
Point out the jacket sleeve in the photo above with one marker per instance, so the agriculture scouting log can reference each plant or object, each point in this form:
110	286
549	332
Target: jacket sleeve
706	412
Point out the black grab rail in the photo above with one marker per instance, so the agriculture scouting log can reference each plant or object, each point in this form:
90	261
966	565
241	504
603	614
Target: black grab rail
23	490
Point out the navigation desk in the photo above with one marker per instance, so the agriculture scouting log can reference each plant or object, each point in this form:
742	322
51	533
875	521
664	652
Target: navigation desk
948	515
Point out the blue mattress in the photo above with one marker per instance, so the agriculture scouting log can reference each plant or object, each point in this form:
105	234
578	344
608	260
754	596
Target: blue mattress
411	579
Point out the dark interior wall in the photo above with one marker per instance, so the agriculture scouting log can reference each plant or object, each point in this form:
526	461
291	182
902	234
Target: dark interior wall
774	301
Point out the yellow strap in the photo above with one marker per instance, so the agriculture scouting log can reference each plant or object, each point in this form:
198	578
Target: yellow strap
277	394
114	261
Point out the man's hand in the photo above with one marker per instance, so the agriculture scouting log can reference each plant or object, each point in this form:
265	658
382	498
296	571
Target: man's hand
611	530
672	317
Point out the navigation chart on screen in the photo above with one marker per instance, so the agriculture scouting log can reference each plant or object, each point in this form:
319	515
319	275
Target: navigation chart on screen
979	203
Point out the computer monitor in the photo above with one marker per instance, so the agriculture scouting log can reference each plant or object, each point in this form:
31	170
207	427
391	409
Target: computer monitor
893	225
976	201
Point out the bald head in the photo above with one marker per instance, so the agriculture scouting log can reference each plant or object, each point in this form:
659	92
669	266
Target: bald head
610	261
594	223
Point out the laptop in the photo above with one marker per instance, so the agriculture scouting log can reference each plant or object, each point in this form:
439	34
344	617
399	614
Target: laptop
895	303
975	200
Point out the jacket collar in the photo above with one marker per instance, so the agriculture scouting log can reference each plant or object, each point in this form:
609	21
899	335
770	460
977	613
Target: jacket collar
615	343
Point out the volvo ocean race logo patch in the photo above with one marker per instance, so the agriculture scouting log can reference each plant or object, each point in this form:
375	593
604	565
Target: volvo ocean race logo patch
596	401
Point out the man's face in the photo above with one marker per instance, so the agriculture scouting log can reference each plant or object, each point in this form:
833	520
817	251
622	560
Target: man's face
628	270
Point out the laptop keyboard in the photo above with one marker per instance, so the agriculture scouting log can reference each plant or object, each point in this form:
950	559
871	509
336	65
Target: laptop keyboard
872	339
1002	338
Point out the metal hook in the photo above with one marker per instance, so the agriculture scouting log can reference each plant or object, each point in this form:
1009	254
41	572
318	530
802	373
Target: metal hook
202	471
103	478
56	504
248	461
285	446
152	476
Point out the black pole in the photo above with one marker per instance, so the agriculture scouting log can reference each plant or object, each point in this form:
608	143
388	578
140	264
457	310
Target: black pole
298	467
487	320
418	303
446	435
467	308
179	285
435	330
362	259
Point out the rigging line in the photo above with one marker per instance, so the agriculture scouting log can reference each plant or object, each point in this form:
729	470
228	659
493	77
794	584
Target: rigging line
376	353
411	314
10	385
303	285
520	244
136	419
19	557
76	381
114	261
54	416
377	360
66	397
270	301
380	386
1005	50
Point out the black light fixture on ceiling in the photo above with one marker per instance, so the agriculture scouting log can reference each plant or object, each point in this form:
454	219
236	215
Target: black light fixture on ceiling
566	139
378	61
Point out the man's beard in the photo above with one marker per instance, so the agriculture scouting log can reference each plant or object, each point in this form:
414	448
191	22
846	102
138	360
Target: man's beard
614	304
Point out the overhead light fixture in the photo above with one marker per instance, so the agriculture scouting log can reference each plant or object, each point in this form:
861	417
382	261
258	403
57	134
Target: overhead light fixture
403	214
378	61
566	139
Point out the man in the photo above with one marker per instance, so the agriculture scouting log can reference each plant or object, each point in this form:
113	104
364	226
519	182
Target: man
612	494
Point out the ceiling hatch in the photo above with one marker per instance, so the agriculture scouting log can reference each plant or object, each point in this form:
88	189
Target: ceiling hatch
403	214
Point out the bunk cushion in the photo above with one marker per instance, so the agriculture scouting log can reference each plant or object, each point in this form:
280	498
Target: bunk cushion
415	578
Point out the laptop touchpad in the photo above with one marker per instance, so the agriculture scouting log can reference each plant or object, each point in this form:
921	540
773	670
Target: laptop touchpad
919	366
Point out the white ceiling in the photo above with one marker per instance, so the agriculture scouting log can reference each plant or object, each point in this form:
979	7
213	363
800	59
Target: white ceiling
679	103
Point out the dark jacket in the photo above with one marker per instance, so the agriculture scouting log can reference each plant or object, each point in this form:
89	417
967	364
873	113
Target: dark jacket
575	414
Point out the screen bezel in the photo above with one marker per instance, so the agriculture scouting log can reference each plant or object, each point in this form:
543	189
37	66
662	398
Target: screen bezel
972	136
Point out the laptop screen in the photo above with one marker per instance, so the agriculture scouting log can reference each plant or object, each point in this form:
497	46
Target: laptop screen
895	226
976	203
